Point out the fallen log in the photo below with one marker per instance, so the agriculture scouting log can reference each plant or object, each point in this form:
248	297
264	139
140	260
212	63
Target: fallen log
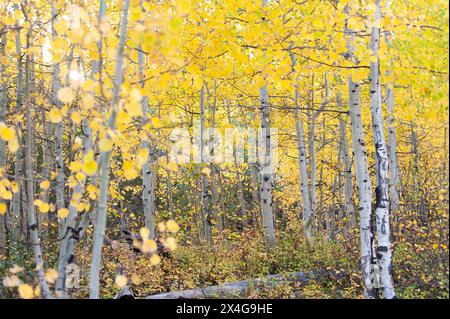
240	289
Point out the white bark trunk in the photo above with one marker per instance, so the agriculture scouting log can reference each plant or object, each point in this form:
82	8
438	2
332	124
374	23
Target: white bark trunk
18	165
94	284
205	195
32	223
266	172
384	251
59	161
266	169
394	176
3	155
365	191
303	172
149	169
348	194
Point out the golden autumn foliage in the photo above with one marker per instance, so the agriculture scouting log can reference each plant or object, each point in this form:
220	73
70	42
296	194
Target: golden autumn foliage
102	110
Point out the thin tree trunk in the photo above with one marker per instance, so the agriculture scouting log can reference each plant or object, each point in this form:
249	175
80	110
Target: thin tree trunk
348	194
56	85
32	223
384	250
149	168
205	196
18	165
266	172
303	172
394	176
3	155
94	284
266	167
368	259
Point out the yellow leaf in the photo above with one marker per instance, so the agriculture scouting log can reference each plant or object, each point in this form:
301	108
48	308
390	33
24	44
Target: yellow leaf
156	122
80	177
135	95
6	133
2	209
121	281
145	233
149	246
11	281
172	226
155	260
75	117
66	95
170	243
172	166
89	164
13	145
142	156
25	291
44	208
51	275
206	171
161	227
63	213
129	171
44	185
5	194
105	144
55	115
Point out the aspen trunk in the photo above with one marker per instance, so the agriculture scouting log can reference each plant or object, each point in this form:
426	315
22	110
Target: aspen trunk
266	172
384	250
368	259
18	165
149	169
205	196
266	169
303	172
348	194
59	159
3	155
312	151
32	223
394	176
94	284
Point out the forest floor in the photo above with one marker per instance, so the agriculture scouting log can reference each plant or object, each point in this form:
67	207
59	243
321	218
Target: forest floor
417	273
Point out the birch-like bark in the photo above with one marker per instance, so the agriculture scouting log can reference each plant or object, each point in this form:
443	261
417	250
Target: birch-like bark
240	190
266	167
384	250
205	196
72	232
368	259
394	176
348	194
59	129
149	170
266	172
99	234
3	155
312	152
303	171
367	244
18	165
32	223
215	173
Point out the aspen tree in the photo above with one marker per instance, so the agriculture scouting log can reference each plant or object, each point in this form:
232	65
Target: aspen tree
384	249
266	169
368	257
94	283
32	222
